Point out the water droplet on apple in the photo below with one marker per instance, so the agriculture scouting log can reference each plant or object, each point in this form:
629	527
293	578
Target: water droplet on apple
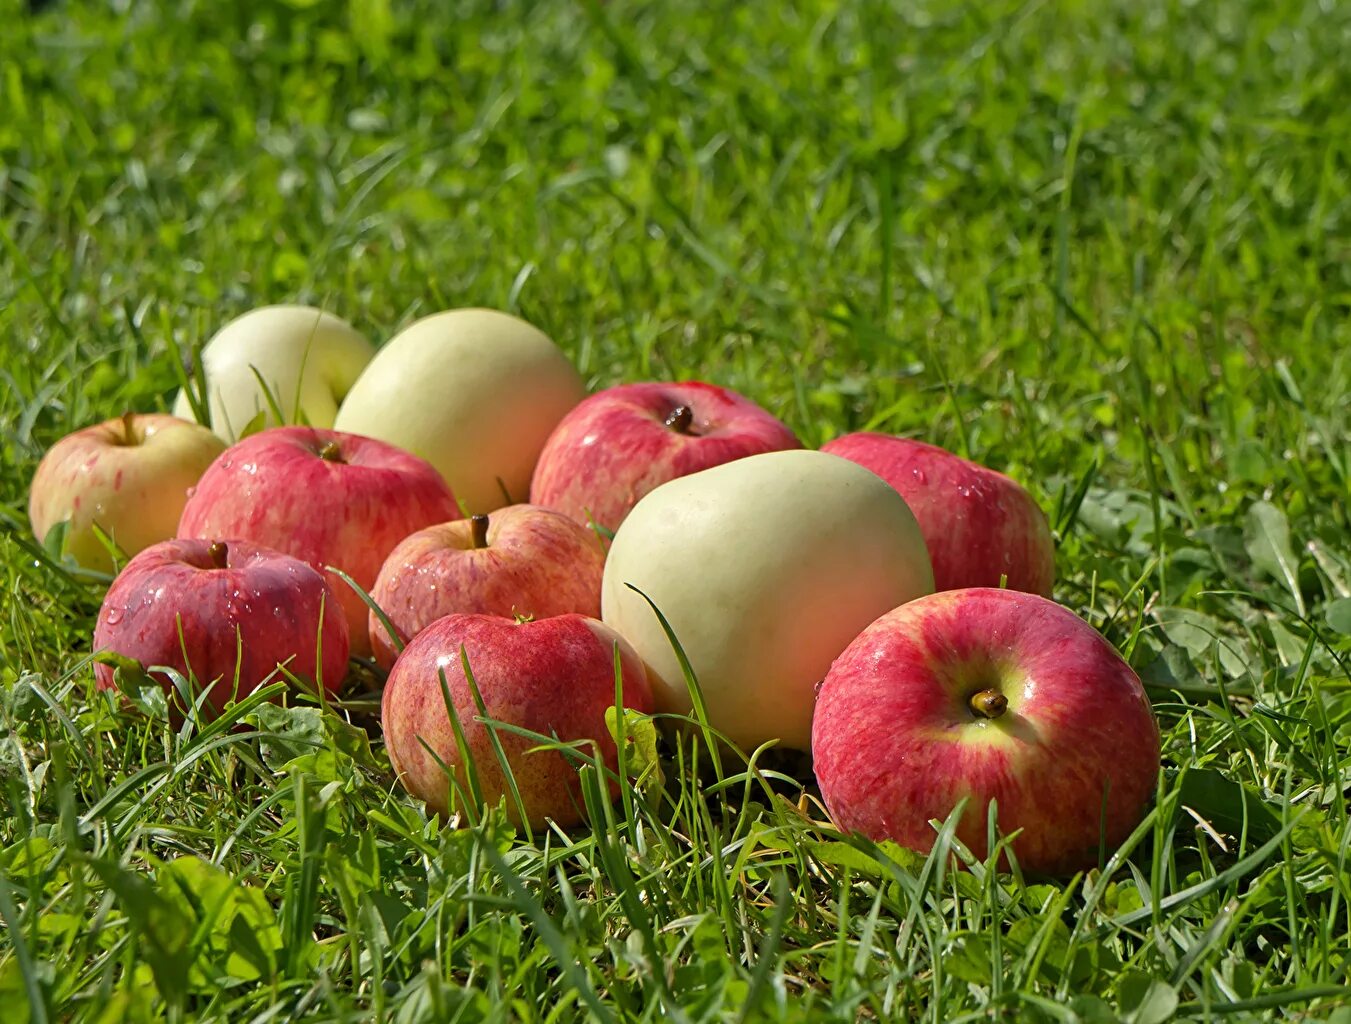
919	475
114	616
964	490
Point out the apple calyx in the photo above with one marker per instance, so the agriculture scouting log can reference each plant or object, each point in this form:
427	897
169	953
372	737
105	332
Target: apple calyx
330	452
681	419
478	528
219	553
987	703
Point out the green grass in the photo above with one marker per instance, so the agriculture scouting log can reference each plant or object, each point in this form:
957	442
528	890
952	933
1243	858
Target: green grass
1106	247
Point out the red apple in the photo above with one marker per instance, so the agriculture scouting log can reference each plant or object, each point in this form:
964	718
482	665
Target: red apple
228	613
620	443
523	560
554	677
330	498
129	476
992	695
978	524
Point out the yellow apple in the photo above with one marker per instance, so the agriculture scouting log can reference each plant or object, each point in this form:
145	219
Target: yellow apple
766	569
307	359
475	392
128	476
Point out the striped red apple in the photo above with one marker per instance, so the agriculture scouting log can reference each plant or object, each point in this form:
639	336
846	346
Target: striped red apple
987	695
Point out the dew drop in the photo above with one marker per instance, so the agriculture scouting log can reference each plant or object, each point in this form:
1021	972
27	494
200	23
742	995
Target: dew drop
919	475
114	616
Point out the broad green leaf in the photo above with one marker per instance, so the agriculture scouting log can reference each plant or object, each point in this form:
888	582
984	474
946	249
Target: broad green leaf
292	732
1267	536
1338	615
1092	1010
640	734
1224	803
1146	1000
235	932
162	929
55	541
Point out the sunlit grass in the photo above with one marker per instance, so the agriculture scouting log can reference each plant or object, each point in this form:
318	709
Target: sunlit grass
1101	247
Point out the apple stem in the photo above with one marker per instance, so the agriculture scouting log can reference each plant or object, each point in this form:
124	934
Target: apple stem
128	430
681	419
219	553
478	525
988	703
330	452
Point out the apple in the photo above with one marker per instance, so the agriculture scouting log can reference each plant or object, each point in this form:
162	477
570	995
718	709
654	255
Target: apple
620	443
226	613
475	392
979	524
521	560
993	695
554	677
307	360
127	476
329	498
766	568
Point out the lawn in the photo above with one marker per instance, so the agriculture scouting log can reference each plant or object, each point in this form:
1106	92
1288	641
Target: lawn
1105	247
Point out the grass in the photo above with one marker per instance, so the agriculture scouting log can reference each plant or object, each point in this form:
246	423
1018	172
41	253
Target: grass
1105	247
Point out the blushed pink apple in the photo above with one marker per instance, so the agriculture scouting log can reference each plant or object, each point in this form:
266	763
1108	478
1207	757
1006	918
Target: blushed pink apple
978	524
226	612
553	676
329	498
620	443
521	560
129	476
992	695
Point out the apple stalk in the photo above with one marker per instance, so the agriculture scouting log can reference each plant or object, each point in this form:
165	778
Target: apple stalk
478	525
681	419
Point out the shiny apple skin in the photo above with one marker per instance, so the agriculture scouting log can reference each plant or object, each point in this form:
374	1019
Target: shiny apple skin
172	606
274	488
895	743
536	563
615	446
552	676
978	523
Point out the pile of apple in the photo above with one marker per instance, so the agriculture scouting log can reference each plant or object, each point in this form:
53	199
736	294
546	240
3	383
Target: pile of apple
389	520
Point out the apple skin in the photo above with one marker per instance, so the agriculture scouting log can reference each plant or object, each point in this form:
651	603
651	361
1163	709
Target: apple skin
766	569
276	488
895	743
129	475
475	392
308	359
553	676
978	523
616	446
536	562
177	606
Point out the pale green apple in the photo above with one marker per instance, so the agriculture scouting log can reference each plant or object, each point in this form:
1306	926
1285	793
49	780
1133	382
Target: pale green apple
475	392
307	360
766	569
